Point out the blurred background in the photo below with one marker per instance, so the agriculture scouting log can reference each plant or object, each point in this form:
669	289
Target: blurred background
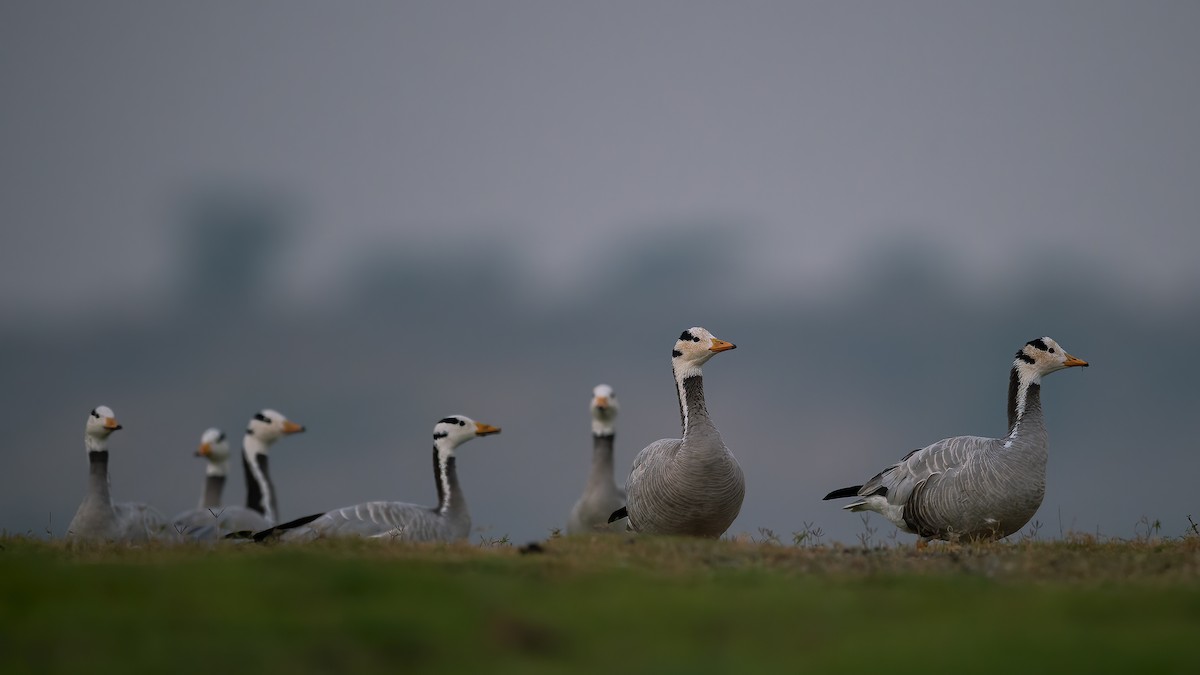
370	216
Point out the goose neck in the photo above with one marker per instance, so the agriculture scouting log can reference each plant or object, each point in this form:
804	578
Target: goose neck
94	443
260	492
253	445
692	409
1024	405
602	460
217	469
213	487
445	476
98	476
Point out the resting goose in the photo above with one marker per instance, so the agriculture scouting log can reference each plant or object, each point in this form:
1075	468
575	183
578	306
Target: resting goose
448	521
601	496
266	427
214	448
691	485
968	487
262	509
98	518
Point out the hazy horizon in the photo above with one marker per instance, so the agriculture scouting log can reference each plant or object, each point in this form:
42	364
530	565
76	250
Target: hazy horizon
369	217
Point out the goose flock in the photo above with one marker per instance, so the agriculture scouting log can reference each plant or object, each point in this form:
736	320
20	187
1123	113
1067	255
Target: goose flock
965	487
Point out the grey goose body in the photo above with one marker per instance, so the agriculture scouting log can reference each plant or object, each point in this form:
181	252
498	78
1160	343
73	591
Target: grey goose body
970	487
97	517
601	496
691	485
448	520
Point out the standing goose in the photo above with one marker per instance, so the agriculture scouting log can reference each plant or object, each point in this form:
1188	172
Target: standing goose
97	517
968	487
448	521
601	496
214	448
691	485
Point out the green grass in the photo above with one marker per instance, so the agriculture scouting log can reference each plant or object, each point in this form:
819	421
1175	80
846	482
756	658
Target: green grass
600	605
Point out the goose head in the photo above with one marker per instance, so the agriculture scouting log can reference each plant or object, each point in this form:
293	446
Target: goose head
452	431
693	349
604	410
215	449
101	422
266	427
1041	357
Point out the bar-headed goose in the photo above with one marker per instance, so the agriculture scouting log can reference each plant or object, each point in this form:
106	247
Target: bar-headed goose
447	521
691	485
266	427
98	518
214	449
968	487
212	520
601	496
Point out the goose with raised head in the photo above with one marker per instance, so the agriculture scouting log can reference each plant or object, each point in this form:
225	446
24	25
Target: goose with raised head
601	496
214	449
969	487
98	518
449	520
691	485
211	520
264	429
262	509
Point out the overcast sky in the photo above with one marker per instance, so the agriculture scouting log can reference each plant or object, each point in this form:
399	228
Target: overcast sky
1007	132
878	201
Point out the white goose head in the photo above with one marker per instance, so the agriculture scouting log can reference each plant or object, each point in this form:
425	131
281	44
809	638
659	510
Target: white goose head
693	349
268	426
604	410
1041	357
215	449
452	431
101	422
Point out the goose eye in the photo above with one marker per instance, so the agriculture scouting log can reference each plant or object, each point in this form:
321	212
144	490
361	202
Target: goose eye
462	423
94	414
695	339
1052	350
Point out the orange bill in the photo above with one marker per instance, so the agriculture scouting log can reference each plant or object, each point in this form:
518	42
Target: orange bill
1072	361
721	345
482	429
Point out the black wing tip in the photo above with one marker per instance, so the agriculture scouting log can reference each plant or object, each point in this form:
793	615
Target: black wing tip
290	525
620	513
851	491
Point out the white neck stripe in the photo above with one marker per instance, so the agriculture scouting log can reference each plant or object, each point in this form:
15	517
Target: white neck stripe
444	455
